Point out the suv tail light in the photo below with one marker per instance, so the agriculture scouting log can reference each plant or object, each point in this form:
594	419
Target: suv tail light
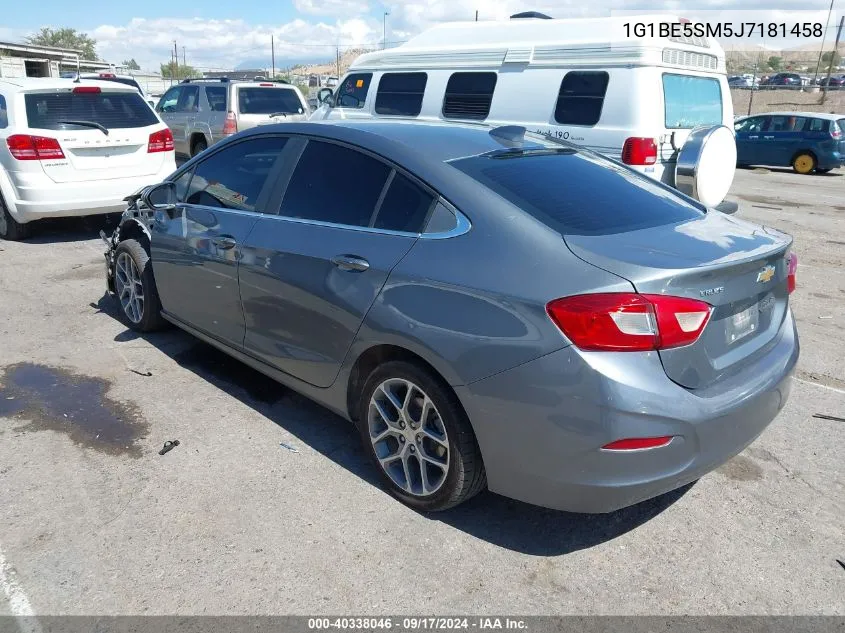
627	322
161	141
27	147
791	271
86	90
639	150
230	126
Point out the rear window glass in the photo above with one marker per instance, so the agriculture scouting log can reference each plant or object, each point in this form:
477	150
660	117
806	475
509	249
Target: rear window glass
405	207
401	93
691	101
469	95
581	97
841	123
268	101
576	193
112	110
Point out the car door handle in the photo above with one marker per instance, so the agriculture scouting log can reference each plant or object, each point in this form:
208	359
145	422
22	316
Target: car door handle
225	242
350	262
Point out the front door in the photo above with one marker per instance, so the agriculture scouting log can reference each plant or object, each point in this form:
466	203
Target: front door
749	135
197	248
345	221
178	109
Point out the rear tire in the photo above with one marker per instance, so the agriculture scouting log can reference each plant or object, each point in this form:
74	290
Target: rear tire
199	145
804	163
135	288
10	229
431	424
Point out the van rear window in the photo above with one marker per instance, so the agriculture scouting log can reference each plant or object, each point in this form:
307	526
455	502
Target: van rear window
575	193
691	101
112	110
581	97
268	101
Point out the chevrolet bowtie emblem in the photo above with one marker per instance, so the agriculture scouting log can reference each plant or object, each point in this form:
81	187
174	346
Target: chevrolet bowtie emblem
766	274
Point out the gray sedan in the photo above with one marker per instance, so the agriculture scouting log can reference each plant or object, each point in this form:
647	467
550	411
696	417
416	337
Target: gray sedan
490	308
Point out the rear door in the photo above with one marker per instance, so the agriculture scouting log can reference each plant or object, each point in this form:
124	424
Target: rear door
104	134
346	220
783	138
265	103
216	96
198	246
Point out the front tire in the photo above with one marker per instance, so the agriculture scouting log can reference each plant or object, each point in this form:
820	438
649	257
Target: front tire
419	438
135	288
10	229
804	163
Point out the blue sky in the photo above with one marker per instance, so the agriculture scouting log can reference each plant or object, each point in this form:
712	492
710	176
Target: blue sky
225	34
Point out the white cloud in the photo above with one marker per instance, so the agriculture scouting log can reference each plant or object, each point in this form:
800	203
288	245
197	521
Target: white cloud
331	7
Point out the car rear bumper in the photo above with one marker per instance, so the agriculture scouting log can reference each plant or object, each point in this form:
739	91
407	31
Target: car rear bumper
541	425
36	196
831	161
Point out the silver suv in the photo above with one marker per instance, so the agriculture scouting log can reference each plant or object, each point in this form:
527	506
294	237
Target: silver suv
201	112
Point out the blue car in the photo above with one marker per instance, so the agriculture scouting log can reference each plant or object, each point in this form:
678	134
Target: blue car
805	141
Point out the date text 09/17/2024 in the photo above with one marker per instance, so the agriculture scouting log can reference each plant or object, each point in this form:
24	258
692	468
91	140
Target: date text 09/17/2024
416	623
679	30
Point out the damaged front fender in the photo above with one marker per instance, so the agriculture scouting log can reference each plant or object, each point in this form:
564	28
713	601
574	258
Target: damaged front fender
134	224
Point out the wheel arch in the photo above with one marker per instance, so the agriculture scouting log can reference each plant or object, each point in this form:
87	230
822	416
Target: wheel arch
804	151
134	229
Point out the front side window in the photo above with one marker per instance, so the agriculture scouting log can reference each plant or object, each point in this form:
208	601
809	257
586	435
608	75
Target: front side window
401	94
750	126
112	110
168	102
469	95
182	183
691	101
234	177
352	93
581	97
336	184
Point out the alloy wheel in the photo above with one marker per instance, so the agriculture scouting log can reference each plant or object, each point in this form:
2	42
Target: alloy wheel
409	437
129	287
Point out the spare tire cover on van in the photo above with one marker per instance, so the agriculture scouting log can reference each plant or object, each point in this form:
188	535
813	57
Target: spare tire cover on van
706	164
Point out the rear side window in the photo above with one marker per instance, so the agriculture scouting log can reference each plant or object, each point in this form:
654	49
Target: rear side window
581	97
268	101
352	93
112	110
691	101
189	99
401	93
786	124
817	125
334	184
469	95
576	193
4	113
841	123
233	177
216	96
405	207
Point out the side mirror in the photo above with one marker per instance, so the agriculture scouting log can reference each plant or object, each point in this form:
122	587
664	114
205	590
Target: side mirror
161	197
324	96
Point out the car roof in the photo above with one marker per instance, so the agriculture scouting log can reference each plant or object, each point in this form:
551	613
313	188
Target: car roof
23	84
816	115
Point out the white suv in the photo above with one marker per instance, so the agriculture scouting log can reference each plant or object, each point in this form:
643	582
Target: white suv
75	148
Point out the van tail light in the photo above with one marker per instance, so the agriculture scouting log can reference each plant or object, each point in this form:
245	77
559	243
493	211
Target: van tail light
86	90
231	125
791	272
627	322
639	150
27	147
161	141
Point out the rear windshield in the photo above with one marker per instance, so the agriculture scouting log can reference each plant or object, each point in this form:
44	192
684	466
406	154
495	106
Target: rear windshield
112	110
576	193
691	101
841	123
268	101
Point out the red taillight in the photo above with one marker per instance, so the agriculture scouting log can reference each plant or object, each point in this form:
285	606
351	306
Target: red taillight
266	85
639	150
627	322
230	126
791	272
86	90
161	141
638	443
27	147
835	133
108	75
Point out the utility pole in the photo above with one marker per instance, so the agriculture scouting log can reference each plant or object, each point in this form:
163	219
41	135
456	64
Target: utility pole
476	15
337	65
384	30
184	63
175	60
753	81
273	56
821	49
832	57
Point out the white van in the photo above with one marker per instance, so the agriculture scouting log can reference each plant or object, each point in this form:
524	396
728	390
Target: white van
634	99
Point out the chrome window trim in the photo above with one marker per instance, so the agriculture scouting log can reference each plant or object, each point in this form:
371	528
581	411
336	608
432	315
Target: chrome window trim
463	224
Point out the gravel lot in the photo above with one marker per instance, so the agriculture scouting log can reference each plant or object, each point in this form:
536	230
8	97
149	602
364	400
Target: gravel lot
94	521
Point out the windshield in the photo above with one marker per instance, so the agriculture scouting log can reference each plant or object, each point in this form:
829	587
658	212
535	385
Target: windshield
268	101
577	193
112	110
691	101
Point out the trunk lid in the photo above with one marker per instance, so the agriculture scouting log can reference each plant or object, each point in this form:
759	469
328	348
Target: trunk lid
737	267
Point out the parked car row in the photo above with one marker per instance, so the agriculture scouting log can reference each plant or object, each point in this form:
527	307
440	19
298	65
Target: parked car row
786	81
